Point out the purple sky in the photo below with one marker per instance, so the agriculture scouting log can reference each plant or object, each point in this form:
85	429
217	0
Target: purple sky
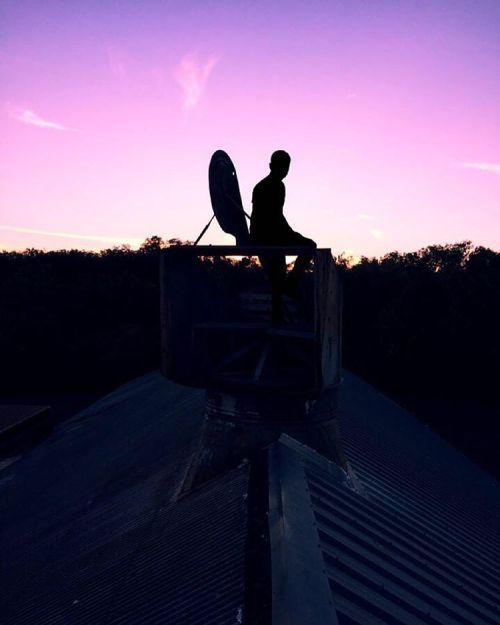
110	112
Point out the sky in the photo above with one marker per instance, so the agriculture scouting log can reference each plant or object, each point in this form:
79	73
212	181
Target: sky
110	111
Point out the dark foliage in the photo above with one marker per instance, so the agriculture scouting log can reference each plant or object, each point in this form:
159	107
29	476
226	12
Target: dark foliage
425	328
426	322
73	321
84	321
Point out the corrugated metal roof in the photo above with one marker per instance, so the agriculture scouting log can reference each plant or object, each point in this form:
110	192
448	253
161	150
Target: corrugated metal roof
13	416
300	591
410	536
91	531
432	515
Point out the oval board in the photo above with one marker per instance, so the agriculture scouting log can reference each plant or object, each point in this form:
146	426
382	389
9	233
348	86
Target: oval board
226	198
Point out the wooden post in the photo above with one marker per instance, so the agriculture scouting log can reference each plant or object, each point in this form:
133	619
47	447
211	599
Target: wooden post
327	316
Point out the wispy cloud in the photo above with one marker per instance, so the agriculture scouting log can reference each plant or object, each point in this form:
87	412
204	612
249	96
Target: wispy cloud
493	168
377	233
27	116
74	235
192	75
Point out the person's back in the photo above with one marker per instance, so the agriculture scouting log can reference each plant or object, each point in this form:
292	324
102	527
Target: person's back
268	225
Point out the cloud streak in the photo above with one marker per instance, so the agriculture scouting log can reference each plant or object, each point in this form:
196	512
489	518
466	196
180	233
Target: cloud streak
27	116
493	168
192	75
74	235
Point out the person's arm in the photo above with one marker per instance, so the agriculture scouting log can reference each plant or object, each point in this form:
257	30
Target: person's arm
283	223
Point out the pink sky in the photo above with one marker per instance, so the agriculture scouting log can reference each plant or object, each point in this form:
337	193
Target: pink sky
390	110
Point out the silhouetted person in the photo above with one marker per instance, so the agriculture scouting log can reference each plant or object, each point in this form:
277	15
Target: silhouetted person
268	226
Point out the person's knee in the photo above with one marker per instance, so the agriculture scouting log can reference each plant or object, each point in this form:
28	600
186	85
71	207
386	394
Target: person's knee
307	242
298	239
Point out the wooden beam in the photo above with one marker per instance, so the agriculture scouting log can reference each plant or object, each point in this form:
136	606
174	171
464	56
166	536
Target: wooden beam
244	250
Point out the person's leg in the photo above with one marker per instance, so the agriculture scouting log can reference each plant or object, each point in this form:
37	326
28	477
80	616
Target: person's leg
301	264
275	268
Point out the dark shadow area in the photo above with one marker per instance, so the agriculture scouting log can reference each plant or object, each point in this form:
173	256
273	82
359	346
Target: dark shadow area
21	439
423	327
258	596
75	322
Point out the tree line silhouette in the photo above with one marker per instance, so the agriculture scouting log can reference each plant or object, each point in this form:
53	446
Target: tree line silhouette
427	321
421	325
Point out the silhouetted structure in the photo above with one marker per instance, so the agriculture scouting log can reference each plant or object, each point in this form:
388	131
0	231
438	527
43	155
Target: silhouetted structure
261	380
420	325
242	504
216	331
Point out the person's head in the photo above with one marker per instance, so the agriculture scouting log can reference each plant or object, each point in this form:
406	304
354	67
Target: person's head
280	163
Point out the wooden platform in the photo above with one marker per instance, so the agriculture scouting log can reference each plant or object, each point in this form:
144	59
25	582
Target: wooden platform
217	331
